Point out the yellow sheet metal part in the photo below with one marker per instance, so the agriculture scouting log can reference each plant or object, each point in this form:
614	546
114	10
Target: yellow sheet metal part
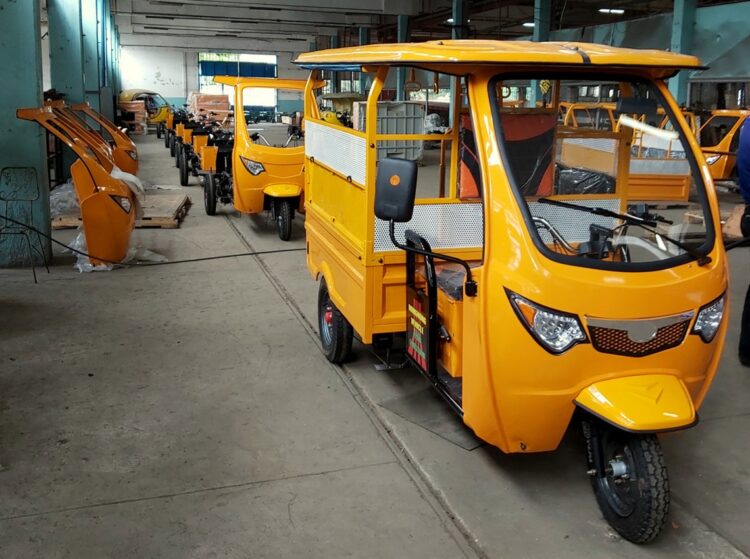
640	403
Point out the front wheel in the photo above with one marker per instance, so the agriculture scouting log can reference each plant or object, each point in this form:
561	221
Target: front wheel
172	145
183	165
336	334
209	194
633	492
158	130
167	136
284	216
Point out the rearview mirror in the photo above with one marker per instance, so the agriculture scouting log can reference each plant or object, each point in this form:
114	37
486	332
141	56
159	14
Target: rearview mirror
395	189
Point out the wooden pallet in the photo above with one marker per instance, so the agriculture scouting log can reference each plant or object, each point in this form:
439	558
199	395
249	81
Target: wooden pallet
163	210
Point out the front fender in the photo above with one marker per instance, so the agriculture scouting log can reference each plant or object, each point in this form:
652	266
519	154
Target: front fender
283	190
644	403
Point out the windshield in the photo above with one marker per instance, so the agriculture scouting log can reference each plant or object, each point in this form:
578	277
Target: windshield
602	171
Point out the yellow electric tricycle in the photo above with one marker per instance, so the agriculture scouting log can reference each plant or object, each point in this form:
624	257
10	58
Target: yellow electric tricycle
527	279
267	159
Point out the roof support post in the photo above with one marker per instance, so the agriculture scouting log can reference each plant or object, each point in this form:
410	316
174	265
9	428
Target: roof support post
403	33
683	23
23	157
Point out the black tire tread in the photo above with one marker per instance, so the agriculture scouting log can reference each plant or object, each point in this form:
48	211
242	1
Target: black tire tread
284	215
651	514
340	349
184	178
209	194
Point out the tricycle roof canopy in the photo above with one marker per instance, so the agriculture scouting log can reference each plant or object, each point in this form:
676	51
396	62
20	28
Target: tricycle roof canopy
441	53
274	83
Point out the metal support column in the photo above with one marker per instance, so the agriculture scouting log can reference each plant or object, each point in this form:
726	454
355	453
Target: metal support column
542	25
403	34
364	39
683	23
66	48
90	51
459	21
334	75
23	156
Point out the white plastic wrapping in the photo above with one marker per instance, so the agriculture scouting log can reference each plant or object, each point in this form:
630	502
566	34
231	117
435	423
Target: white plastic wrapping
135	254
63	200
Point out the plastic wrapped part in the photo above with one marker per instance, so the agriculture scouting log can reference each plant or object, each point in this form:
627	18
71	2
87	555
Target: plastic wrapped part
63	200
136	187
433	124
135	254
576	180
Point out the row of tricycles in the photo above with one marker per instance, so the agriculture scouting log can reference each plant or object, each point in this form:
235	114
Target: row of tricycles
254	167
537	274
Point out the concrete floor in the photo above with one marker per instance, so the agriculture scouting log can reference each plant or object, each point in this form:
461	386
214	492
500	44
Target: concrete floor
186	411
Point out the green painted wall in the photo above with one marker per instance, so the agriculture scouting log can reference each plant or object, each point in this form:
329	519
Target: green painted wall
23	167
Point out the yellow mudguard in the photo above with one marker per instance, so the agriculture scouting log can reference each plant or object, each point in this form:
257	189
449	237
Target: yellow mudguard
283	190
640	403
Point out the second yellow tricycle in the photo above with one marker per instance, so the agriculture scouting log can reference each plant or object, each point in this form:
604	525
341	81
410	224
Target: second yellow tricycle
268	158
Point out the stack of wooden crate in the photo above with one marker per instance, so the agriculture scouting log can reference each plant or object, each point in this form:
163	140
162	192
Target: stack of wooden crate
204	103
135	116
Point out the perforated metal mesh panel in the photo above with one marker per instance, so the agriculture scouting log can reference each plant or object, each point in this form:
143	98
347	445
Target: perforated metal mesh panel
339	150
443	225
612	340
607	145
659	167
573	225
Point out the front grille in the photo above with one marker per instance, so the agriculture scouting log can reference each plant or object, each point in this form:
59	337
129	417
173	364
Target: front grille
618	342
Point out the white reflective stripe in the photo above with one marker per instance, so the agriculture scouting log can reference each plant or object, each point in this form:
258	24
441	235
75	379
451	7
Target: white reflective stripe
343	152
442	225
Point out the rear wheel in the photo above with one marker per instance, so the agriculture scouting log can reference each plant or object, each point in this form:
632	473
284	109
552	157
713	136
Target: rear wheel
633	494
158	130
178	154
209	194
167	137
336	334
184	178
172	145
284	216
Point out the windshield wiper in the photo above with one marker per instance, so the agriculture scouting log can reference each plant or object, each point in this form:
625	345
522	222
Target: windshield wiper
646	224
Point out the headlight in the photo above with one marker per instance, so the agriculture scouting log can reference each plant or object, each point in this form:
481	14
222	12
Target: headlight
709	319
133	155
253	167
555	331
123	202
711	159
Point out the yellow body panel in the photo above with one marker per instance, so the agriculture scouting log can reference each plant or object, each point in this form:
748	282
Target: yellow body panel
516	395
724	167
640	403
187	135
208	155
282	190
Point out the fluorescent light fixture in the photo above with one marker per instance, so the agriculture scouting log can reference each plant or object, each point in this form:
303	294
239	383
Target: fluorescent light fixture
450	20
529	24
617	11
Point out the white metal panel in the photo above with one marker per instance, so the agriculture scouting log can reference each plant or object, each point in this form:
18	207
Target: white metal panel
443	225
339	150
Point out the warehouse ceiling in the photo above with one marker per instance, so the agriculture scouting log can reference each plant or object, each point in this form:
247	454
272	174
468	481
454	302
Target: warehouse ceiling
186	22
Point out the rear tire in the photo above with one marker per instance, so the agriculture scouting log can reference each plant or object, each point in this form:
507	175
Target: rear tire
637	505
284	216
209	194
172	145
336	334
184	178
178	154
167	137
158	131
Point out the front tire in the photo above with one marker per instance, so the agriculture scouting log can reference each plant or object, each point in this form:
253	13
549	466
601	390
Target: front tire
158	131
284	216
172	145
167	137
184	178
209	194
336	334
633	495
